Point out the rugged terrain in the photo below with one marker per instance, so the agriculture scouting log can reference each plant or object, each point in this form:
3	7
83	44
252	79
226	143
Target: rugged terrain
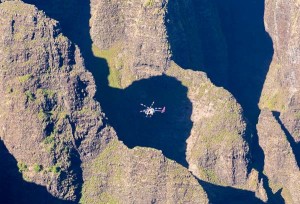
73	75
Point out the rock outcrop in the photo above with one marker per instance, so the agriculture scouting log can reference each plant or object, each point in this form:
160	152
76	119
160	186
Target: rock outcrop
280	163
49	120
281	91
140	175
281	96
136	28
217	148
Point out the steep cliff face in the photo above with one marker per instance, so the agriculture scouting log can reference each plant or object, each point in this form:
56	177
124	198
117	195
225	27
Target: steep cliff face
281	96
282	86
281	89
280	162
13	189
137	29
148	33
216	151
48	117
140	175
196	38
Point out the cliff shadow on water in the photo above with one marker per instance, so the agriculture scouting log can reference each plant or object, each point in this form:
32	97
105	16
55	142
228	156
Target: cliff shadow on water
223	195
294	145
250	52
14	190
232	47
227	40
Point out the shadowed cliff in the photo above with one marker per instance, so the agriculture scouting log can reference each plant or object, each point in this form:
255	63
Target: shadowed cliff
227	40
164	131
233	48
294	145
250	51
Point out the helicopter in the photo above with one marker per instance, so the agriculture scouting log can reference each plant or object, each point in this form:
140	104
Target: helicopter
149	110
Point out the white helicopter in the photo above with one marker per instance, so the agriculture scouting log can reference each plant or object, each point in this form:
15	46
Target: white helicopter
149	110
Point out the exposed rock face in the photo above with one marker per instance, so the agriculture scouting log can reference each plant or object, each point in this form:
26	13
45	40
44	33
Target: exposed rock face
282	87
280	163
217	150
138	27
48	117
13	189
281	94
140	175
148	33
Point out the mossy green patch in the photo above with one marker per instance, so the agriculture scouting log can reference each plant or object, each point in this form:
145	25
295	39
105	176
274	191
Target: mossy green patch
42	116
62	115
49	143
46	92
211	176
9	90
54	169
49	140
273	101
37	168
22	167
87	111
30	96
24	78
148	3
108	165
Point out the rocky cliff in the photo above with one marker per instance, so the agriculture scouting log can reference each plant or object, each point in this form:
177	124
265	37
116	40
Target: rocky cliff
281	89
136	29
73	76
140	175
53	127
280	162
281	96
46	96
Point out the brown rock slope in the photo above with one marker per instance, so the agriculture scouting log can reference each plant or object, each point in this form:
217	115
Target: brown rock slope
138	27
140	175
216	148
48	116
281	90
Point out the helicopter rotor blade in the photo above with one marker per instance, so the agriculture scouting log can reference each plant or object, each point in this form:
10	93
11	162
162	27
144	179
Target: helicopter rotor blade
152	104
144	105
